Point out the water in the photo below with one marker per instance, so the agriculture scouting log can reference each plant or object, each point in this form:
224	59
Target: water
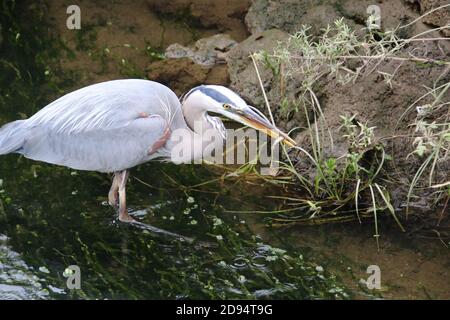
17	279
57	217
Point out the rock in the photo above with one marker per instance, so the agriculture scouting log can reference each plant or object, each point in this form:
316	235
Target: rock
188	66
392	14
240	67
291	15
227	15
183	74
320	16
284	15
207	51
244	79
438	18
395	13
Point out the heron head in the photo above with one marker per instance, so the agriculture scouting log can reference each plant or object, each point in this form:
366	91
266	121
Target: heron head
223	101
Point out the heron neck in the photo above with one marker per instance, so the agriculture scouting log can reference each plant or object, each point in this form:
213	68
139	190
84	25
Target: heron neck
204	133
196	118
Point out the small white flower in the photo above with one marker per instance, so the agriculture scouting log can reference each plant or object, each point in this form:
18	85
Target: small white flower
44	270
271	258
67	272
222	264
217	222
190	200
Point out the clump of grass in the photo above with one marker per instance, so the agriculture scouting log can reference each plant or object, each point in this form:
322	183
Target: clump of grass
432	142
348	187
338	185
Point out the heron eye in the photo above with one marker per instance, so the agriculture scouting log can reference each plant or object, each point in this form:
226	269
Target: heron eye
226	106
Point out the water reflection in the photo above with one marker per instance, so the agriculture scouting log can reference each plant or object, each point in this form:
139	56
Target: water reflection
54	227
17	279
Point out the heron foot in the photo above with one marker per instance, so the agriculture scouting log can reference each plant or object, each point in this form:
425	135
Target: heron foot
125	217
161	232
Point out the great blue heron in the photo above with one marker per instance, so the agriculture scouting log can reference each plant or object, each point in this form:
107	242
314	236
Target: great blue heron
115	125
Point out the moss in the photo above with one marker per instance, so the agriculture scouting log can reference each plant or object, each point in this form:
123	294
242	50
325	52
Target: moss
28	64
85	37
186	19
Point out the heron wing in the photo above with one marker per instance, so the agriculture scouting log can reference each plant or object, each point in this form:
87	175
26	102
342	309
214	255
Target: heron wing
106	105
108	150
102	127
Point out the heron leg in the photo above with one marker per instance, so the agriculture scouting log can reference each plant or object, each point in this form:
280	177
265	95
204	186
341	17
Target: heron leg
123	213
113	195
118	193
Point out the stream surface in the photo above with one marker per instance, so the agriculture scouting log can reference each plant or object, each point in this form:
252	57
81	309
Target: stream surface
54	217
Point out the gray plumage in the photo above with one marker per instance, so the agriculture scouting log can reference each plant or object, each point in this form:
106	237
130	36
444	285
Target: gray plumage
98	128
113	126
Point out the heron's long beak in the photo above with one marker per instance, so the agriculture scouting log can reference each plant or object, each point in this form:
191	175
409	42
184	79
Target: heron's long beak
256	121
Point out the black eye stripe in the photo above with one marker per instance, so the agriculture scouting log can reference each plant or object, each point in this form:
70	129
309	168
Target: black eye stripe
216	95
210	92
